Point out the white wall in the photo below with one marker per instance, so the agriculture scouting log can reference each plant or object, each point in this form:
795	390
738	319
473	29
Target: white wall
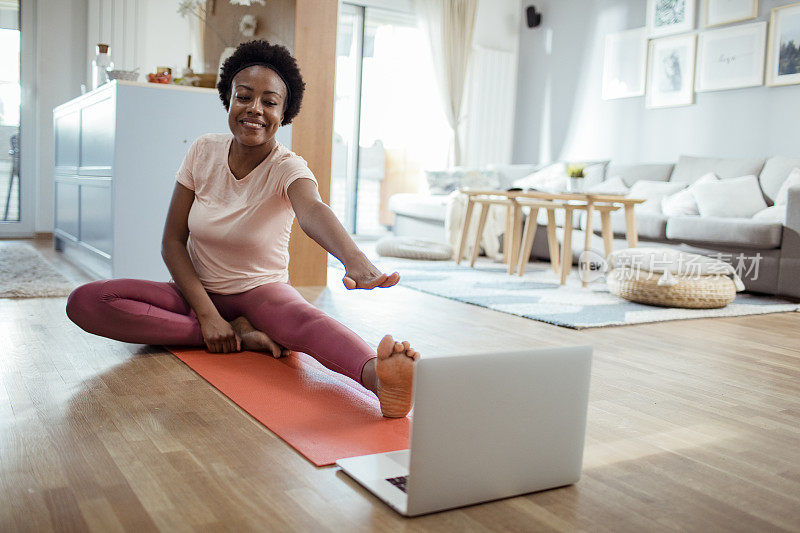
60	71
560	114
142	33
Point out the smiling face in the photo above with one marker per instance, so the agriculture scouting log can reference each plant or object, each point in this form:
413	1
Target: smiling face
258	99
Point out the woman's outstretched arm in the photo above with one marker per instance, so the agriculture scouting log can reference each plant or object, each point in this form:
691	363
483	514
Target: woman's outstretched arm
319	223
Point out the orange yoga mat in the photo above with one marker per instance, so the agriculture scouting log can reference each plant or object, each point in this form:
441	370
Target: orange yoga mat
322	414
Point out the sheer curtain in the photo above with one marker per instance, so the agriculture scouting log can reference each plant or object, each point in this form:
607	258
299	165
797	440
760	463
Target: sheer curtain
450	26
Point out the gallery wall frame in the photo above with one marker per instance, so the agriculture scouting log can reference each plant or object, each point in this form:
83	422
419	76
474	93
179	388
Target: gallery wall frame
721	12
731	58
783	50
625	64
668	17
670	71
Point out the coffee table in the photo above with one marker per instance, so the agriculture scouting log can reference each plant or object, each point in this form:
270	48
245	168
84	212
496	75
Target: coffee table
569	202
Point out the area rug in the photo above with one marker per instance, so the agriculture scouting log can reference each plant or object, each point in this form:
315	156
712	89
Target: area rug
322	414
25	273
539	296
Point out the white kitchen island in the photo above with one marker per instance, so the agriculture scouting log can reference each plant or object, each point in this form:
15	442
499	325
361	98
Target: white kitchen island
117	151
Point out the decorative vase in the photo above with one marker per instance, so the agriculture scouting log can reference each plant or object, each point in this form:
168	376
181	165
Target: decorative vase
575	185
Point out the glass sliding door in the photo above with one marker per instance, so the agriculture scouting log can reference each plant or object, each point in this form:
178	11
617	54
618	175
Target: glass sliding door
388	120
10	92
16	207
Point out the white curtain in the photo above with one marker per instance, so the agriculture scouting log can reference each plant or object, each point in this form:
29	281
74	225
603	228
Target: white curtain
450	25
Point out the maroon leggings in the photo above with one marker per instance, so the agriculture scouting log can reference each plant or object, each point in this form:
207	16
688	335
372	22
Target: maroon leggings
151	312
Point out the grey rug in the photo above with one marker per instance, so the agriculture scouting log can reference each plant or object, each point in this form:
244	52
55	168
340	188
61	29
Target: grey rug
25	273
538	296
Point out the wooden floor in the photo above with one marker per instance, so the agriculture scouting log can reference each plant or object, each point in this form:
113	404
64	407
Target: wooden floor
693	425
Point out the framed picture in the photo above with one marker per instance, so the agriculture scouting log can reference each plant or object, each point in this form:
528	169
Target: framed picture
670	71
665	17
730	58
783	63
719	12
624	64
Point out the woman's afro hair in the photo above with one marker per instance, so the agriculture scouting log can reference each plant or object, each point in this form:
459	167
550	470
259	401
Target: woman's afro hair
275	55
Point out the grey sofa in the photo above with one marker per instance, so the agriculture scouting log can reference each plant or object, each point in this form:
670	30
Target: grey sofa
739	241
775	246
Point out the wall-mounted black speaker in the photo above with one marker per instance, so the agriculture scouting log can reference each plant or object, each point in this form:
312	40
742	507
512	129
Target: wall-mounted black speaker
534	18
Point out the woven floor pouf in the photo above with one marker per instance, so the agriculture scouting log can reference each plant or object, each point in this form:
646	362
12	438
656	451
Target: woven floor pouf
671	278
695	292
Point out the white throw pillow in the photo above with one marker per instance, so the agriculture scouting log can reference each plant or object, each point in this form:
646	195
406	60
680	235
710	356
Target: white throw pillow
653	192
682	202
730	198
613	185
552	178
782	198
776	213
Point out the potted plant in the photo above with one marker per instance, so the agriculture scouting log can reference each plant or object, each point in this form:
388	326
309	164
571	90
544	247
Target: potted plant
575	173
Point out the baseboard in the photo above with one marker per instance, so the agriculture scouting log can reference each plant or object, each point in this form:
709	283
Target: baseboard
43	236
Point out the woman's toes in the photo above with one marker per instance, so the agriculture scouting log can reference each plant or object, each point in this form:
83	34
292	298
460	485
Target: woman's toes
398	347
386	347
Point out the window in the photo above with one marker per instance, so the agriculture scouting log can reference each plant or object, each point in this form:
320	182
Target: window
386	99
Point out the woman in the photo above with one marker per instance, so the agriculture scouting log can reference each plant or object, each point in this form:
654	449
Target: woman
226	242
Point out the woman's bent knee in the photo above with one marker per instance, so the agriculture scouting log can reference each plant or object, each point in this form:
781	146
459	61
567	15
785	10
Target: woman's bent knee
82	303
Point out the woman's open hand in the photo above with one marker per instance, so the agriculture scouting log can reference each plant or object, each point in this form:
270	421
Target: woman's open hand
365	275
219	336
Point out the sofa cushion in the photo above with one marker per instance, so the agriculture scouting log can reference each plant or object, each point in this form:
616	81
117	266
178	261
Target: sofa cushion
594	173
552	178
613	185
648	225
782	198
733	198
744	232
653	192
447	181
776	213
774	174
683	202
507	174
689	168
630	174
427	206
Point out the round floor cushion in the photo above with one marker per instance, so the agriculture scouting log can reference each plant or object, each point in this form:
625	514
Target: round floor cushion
671	278
408	248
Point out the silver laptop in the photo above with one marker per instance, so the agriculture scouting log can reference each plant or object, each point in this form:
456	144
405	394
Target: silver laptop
485	427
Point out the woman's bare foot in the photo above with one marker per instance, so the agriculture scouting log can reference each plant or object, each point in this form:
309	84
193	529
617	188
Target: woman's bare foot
253	339
394	368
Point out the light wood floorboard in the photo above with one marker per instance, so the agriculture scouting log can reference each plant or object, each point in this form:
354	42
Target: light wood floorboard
693	425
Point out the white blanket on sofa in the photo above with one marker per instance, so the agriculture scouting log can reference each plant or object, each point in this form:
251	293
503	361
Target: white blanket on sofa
454	222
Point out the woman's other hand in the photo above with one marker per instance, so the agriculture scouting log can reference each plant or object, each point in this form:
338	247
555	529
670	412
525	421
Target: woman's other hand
219	335
368	276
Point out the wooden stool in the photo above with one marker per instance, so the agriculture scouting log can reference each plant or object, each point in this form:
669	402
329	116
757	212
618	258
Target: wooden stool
531	225
564	266
566	245
484	203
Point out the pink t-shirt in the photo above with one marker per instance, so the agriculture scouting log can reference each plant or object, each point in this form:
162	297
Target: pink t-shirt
239	229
